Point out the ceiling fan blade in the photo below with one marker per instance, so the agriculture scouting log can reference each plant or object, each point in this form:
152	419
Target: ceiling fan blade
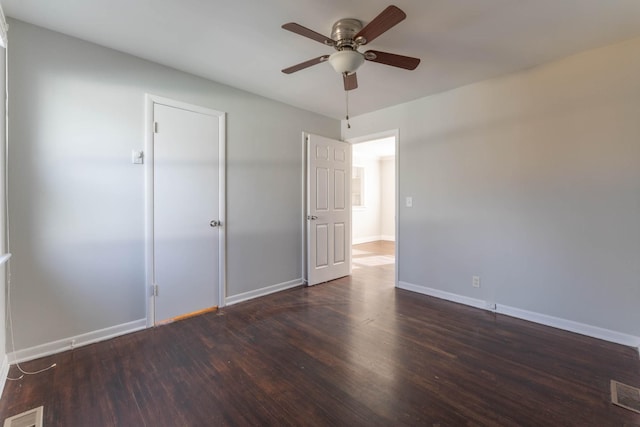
350	81
305	64
388	18
406	62
304	31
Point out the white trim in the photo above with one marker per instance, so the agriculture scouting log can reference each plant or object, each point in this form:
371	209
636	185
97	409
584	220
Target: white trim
4	371
222	208
64	344
542	319
397	208
3	28
473	302
150	100
304	207
4	258
150	306
570	325
263	291
367	239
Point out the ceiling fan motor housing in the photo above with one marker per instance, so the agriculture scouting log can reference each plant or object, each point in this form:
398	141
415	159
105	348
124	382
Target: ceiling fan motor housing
344	32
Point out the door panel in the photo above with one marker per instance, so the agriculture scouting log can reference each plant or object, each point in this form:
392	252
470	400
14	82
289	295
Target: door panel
322	246
339	202
328	209
339	242
186	249
322	189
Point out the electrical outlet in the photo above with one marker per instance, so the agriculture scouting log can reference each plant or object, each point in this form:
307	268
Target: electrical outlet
409	201
475	281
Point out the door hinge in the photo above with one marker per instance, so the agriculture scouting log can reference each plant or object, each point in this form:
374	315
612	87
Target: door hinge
154	290
155	127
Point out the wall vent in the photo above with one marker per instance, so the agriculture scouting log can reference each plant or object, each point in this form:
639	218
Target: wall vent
625	396
30	418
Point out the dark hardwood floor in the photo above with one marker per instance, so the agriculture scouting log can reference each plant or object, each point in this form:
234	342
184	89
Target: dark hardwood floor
353	352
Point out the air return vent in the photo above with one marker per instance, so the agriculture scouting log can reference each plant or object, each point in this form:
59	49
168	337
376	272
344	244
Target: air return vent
625	396
30	418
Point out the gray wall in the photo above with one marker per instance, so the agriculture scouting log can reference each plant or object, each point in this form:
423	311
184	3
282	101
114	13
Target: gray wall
77	218
531	181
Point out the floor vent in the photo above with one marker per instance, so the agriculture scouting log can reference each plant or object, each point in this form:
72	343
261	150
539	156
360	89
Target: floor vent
30	418
626	396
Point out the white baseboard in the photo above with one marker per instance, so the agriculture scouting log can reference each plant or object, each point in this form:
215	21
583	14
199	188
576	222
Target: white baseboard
4	371
473	302
543	319
367	239
234	299
59	346
570	325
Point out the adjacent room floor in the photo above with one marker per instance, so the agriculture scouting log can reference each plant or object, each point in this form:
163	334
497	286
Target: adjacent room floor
374	258
352	352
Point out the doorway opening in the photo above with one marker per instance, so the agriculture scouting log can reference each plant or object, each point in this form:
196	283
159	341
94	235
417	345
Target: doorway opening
374	205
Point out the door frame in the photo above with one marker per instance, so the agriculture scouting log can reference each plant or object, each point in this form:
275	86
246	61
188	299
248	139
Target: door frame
379	135
150	101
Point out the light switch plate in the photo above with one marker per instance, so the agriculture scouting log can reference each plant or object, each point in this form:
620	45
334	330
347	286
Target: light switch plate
409	202
137	157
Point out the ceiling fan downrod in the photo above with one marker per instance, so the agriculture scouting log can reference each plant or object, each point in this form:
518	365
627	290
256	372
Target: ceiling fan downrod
347	102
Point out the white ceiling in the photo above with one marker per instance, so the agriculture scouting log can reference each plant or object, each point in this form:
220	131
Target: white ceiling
240	42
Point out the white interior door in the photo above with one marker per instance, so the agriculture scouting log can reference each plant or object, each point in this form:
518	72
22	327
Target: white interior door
328	209
186	232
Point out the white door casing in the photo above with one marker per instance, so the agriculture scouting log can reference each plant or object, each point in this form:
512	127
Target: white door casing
185	193
328	209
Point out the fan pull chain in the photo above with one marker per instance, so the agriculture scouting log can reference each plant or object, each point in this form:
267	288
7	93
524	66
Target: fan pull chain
347	102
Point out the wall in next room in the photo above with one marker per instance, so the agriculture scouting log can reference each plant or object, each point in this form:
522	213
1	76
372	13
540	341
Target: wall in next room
366	218
375	219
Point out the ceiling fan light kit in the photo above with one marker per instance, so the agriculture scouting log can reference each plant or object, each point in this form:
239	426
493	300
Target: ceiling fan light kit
346	61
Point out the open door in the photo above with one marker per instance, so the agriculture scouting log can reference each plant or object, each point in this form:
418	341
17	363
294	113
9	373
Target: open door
328	209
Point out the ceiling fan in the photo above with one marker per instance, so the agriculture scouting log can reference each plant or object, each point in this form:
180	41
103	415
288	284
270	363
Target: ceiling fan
347	35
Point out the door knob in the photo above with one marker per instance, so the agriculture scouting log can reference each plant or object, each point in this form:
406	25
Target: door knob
312	217
215	223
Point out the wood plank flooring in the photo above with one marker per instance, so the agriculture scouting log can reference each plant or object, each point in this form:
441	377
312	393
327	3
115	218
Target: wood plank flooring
353	352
